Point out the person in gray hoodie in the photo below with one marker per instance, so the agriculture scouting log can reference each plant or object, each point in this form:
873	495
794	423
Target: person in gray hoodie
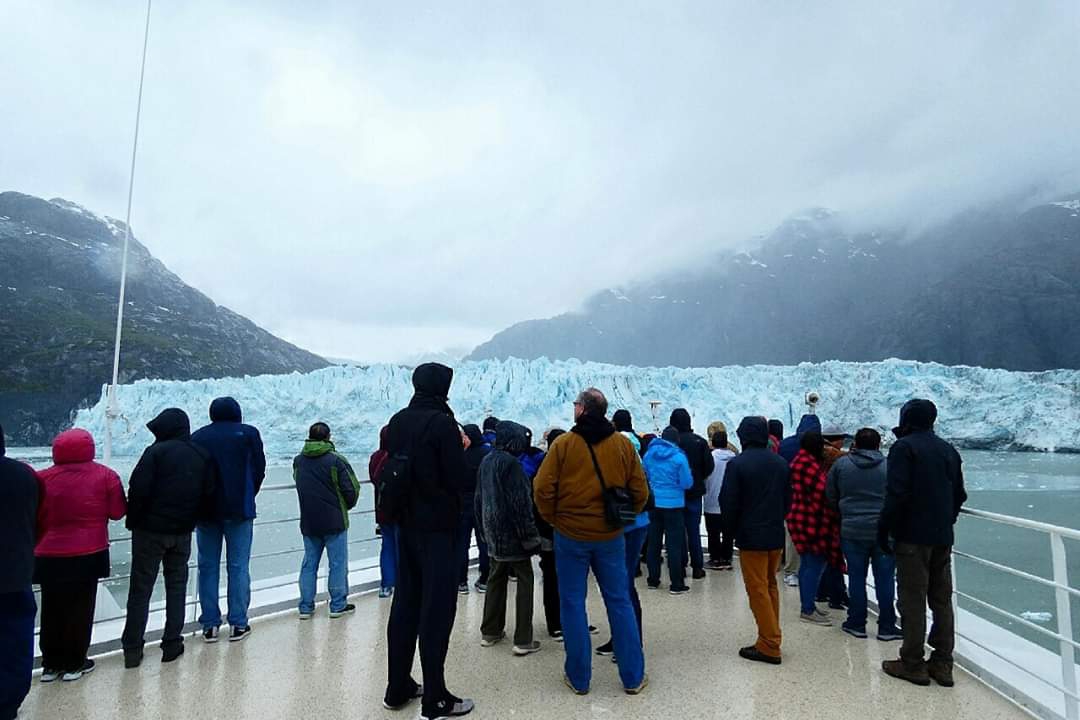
856	484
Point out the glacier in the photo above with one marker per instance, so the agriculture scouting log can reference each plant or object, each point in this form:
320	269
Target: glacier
978	407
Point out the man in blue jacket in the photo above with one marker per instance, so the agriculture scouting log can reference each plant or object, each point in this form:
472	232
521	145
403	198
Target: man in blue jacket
237	450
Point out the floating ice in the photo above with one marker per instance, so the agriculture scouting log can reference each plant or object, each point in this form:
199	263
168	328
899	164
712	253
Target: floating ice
1038	617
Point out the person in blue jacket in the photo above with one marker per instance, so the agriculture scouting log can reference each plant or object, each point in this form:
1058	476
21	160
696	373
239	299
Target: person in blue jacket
669	476
237	450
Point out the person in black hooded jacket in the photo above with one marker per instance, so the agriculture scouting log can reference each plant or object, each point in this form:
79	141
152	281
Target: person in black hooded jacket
474	455
701	466
171	488
425	599
923	496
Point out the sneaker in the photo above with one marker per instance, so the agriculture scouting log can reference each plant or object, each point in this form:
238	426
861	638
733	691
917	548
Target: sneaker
49	675
837	606
725	565
452	707
637	690
349	609
211	634
481	587
566	680
679	590
489	641
306	614
86	669
821	613
239	633
523	650
889	635
815	619
941	673
557	636
593	630
791	580
417	694
699	574
752	653
513	578
897	669
463	588
607	648
386	592
854	631
653	584
169	655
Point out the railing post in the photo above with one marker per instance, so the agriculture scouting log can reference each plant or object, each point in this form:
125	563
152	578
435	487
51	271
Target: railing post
1064	623
955	598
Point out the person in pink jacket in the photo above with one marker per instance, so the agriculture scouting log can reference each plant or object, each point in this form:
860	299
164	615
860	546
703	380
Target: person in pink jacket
79	498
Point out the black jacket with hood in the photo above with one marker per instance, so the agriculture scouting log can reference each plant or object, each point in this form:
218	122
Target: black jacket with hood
19	497
756	493
503	501
173	485
427	433
925	481
697	453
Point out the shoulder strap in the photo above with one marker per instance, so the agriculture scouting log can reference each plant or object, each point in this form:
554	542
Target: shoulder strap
595	464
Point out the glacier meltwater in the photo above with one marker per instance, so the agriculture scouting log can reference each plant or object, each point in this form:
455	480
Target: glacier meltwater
978	407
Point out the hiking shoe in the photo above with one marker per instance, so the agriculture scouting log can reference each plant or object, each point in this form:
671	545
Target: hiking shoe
306	614
607	648
449	708
791	580
488	641
815	619
386	592
463	588
679	589
50	675
239	633
941	673
349	609
481	587
897	669
637	690
890	635
417	694
523	650
168	655
699	574
653	584
752	653
86	669
854	631
566	680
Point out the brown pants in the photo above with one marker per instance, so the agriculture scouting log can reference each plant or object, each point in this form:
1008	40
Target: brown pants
924	573
759	568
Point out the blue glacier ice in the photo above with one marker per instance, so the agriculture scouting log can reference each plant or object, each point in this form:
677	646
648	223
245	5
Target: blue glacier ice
978	407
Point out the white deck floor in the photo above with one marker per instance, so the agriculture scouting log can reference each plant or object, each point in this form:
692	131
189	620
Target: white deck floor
336	669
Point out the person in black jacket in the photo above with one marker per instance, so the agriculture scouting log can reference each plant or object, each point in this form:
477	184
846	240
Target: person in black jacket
474	455
923	497
425	600
327	488
171	488
756	497
19	495
701	466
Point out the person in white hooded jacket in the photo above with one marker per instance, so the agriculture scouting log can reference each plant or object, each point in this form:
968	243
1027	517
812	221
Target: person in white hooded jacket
720	542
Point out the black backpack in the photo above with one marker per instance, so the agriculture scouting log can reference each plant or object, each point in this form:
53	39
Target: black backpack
395	480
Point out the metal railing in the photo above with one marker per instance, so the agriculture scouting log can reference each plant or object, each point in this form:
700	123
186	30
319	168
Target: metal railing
1063	593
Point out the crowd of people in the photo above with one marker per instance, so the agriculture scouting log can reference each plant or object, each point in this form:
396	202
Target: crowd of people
599	498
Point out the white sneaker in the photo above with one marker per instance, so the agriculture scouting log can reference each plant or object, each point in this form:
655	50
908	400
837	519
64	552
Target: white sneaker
522	650
489	641
791	580
48	676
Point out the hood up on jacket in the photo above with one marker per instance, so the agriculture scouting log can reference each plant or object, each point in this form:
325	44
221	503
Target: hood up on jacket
663	449
916	416
511	437
670	434
622	421
170	424
808	423
866	459
384	437
776	429
73	446
753	432
476	437
593	429
225	409
680	420
431	381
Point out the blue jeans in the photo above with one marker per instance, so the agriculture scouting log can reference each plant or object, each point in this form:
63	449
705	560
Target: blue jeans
811	568
635	540
860	554
237	537
692	518
607	559
17	611
388	554
337	554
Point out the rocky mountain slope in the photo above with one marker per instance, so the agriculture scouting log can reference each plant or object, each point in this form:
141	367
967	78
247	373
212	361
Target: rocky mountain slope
59	278
995	288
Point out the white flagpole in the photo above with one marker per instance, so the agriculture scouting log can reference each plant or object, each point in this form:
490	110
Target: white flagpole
112	410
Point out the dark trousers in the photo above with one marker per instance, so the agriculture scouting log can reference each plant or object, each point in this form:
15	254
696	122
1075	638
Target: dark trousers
149	552
67	617
425	602
495	601
924	574
634	540
721	547
464	539
550	585
669	523
17	611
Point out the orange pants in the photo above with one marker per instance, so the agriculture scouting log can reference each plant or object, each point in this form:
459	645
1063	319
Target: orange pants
759	568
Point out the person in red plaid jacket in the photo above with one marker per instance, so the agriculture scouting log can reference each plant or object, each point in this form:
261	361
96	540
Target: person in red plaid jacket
814	525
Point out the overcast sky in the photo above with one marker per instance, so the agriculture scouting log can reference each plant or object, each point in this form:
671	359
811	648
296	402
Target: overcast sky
372	179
